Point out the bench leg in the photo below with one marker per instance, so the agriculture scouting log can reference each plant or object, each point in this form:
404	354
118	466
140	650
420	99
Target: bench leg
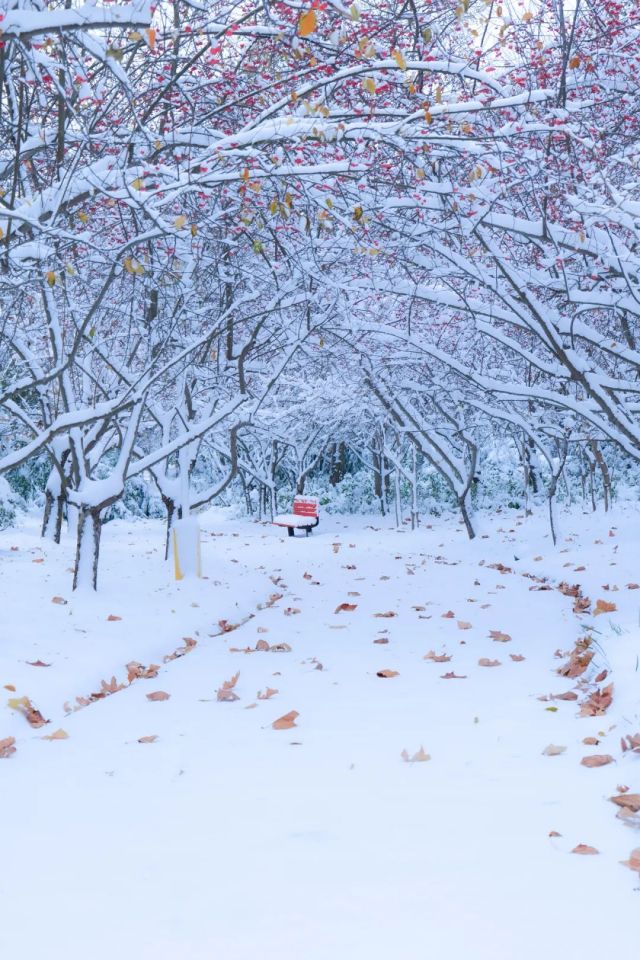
290	531
308	529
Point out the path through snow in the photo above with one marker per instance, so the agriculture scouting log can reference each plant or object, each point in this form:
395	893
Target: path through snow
227	836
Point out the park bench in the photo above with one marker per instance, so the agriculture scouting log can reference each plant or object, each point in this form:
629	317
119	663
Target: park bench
304	516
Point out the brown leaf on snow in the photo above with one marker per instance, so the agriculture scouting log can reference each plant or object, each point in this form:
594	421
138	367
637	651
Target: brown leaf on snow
630	801
57	735
603	606
24	706
419	757
464	625
287	721
453	676
149	739
581	605
601	676
280	648
226	691
517	657
7	747
37	663
345	608
227	627
389	613
630	743
598	703
449	615
137	671
486	662
553	750
269	692
387	673
568	695
579	660
499	636
437	657
158	695
597	760
634	860
381	640
189	644
585	849
633	586
262	646
591	741
291	611
569	590
59	600
10	687
112	618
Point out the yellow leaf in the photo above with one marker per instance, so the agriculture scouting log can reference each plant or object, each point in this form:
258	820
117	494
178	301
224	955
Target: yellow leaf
194	229
307	23
71	270
51	278
368	84
57	735
138	184
527	17
399	59
151	37
83	217
574	62
134	35
355	13
180	221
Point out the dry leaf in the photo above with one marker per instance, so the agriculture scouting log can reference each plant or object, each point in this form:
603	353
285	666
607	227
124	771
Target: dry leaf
602	606
189	644
389	613
269	692
158	695
136	671
149	739
24	706
345	607
287	721
585	849
449	615
7	747
554	833
633	586
464	625
387	673
598	703
437	657
226	691
291	611
591	741
57	735
381	640
453	676
10	687
517	657
499	636
568	695
597	760
630	743
485	662
629	801
418	757
38	663
634	860
59	600
112	618
553	750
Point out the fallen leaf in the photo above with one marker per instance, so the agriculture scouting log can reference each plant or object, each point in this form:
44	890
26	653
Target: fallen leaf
269	692
554	833
603	606
158	695
568	695
630	801
387	673
499	636
464	625
381	640
345	607
136	671
437	657
24	706
10	687
7	747
57	735
597	703
226	691
630	743
449	615
585	849
517	657
597	760
418	757
59	600
591	741
287	721
634	860
38	663
389	613
553	750
291	611
633	586
485	662
149	739
453	676
112	618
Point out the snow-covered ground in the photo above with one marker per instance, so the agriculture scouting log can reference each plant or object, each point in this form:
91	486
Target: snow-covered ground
227	837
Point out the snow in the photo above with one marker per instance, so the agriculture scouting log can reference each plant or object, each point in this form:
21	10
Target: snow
225	835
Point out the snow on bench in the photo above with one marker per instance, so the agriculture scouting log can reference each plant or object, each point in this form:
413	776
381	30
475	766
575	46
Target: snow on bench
305	510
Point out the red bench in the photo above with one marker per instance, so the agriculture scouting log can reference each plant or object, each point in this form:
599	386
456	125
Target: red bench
305	510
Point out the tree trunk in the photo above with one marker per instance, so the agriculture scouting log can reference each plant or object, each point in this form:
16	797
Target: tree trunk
88	548
170	507
462	504
53	516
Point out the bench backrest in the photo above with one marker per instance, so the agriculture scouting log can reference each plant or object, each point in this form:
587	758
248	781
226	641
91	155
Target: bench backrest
305	507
